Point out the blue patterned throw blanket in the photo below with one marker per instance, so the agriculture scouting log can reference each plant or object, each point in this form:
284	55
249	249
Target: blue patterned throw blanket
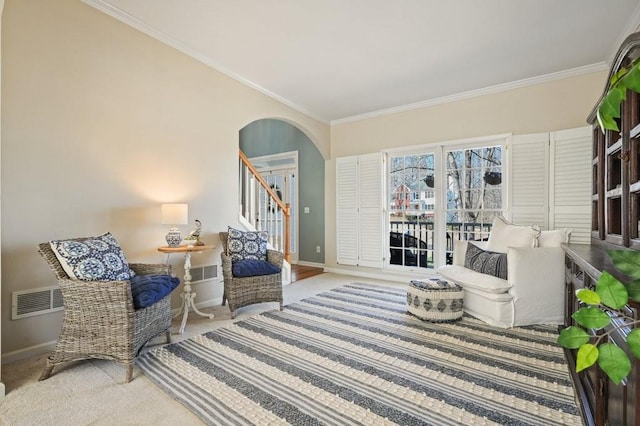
354	355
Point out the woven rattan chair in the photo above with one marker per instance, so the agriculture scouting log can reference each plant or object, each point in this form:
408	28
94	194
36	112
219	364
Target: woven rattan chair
250	290
100	320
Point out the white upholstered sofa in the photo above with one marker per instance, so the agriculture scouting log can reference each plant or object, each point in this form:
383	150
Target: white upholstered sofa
531	293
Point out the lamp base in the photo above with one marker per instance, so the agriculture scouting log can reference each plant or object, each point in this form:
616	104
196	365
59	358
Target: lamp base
173	238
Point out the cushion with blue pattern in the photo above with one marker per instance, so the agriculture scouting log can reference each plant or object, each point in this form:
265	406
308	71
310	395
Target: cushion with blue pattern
92	259
486	262
149	289
247	245
253	267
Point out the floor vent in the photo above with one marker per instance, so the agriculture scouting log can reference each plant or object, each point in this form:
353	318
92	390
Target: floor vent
36	301
203	273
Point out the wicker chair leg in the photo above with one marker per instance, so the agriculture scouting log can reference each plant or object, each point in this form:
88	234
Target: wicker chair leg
129	372
168	332
224	299
47	372
233	314
281	308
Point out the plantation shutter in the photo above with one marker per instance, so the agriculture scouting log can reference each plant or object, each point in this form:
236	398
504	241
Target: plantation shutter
359	221
347	210
571	182
529	189
370	184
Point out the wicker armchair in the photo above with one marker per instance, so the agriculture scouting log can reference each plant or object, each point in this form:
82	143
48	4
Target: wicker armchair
100	320
250	290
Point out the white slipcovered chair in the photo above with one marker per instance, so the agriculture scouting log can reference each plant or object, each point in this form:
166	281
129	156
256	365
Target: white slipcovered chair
531	293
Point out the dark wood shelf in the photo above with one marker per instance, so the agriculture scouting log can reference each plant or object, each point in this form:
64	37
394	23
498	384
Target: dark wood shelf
615	224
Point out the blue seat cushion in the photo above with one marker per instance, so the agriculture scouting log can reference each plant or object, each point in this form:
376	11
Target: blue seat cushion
149	289
253	267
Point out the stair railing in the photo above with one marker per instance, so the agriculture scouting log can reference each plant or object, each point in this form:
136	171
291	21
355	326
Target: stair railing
272	215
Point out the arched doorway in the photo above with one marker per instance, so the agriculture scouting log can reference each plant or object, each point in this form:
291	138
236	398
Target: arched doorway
275	144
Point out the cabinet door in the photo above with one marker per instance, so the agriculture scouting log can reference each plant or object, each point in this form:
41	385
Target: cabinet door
571	197
371	225
347	210
359	218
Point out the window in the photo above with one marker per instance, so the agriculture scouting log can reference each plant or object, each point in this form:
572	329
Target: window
474	192
454	195
411	224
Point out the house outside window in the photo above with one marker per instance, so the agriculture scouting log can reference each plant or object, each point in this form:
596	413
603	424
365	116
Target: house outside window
458	192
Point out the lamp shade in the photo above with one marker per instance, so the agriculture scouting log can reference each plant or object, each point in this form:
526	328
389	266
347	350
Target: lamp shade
175	214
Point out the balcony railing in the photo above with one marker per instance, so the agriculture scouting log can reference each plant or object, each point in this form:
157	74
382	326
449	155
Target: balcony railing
413	243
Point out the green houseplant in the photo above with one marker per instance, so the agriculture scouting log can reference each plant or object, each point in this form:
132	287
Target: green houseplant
601	308
609	108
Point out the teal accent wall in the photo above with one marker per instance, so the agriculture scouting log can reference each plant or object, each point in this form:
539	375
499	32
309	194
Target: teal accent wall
269	136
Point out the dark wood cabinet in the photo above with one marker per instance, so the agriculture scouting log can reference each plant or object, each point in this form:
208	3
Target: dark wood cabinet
615	221
616	164
601	401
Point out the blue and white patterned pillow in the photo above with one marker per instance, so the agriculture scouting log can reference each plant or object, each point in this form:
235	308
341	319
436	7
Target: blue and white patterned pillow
93	258
247	245
486	262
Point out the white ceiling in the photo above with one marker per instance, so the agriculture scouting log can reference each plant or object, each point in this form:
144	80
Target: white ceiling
339	60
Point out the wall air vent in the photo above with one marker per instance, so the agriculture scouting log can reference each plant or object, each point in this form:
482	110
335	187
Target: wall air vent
204	273
35	301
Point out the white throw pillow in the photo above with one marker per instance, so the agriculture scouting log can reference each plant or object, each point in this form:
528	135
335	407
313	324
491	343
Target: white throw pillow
554	237
505	234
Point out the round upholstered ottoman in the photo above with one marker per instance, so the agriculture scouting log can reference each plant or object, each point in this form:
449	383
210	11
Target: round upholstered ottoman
434	300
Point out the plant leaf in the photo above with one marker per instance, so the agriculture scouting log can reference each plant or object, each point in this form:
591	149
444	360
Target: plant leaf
627	261
591	317
617	76
633	289
613	100
612	292
573	337
606	121
587	356
632	79
587	296
633	340
614	362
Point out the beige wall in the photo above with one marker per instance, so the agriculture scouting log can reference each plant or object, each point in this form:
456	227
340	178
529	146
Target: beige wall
1	384
556	105
101	124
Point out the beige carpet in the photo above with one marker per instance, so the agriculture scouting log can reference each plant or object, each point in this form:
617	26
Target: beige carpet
94	392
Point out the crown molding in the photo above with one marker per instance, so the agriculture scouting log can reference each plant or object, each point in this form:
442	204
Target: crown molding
130	20
134	22
587	69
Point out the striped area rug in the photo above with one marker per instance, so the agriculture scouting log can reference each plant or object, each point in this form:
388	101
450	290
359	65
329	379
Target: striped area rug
353	355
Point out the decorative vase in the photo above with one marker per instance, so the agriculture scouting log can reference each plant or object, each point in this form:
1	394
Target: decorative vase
173	237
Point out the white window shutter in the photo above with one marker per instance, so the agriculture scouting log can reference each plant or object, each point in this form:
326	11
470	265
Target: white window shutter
371	226
571	182
529	189
347	210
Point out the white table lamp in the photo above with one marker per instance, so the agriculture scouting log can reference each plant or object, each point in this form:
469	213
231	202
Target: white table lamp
174	214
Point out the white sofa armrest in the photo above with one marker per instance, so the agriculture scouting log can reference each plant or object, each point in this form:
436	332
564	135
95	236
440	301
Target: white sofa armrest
537	279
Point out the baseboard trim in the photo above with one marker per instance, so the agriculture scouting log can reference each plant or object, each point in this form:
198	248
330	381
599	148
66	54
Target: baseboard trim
28	352
204	304
47	347
394	276
311	264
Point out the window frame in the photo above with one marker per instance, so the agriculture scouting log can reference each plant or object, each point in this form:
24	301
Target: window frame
439	149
